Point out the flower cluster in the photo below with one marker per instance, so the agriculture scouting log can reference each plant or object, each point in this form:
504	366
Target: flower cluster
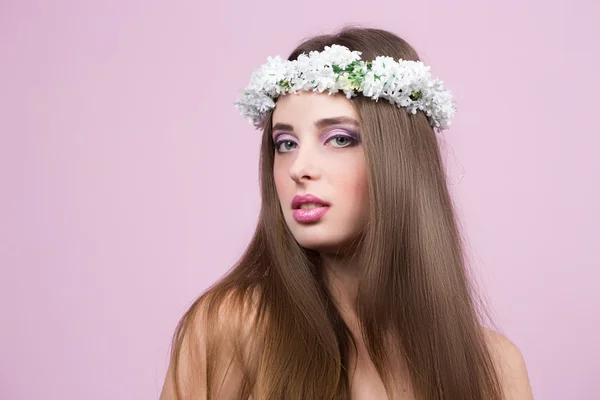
405	83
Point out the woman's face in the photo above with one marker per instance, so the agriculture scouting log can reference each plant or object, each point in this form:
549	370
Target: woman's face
318	151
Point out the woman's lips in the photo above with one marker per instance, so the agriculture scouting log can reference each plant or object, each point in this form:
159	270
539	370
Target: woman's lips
310	215
298	200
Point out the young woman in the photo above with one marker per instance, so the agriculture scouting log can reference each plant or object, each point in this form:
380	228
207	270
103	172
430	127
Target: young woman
354	285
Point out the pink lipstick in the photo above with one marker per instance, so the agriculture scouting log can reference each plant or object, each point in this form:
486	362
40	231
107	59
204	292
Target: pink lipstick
308	215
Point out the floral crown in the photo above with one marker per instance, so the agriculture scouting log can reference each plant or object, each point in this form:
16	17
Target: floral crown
404	83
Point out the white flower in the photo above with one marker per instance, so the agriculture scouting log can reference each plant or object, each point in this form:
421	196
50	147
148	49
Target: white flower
338	55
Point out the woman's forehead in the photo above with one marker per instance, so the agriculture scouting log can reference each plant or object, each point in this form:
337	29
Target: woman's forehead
306	107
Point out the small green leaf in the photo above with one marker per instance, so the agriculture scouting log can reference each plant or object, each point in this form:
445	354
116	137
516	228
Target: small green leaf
416	95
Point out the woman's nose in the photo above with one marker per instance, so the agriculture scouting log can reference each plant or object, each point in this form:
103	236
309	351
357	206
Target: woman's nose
304	166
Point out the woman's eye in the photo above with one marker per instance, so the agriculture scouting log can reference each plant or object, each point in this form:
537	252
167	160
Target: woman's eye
341	141
287	146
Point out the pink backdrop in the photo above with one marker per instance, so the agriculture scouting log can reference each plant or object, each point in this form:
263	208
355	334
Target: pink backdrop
129	181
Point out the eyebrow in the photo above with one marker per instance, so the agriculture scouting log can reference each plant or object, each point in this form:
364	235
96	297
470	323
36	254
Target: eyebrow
320	124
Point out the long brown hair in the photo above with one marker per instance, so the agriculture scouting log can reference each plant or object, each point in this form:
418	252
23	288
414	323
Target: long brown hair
271	323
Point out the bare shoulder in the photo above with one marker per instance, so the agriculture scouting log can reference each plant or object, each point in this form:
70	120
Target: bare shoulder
510	364
216	330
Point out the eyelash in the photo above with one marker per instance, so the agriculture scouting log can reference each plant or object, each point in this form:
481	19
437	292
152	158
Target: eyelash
353	142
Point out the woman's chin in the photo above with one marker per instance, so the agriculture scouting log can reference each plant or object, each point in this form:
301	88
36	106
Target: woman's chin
321	242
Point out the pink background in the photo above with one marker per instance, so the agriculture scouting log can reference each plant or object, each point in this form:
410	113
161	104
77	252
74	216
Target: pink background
129	181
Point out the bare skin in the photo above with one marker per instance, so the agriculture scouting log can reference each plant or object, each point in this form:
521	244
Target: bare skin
366	384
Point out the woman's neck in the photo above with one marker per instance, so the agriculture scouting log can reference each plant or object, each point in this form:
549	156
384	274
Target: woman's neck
341	278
